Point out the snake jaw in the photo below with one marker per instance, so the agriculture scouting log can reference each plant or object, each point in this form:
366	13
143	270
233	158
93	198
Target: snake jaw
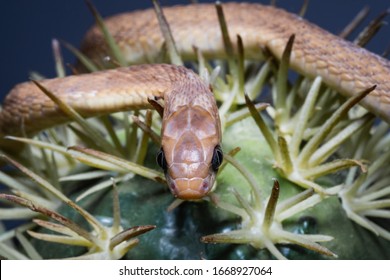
191	189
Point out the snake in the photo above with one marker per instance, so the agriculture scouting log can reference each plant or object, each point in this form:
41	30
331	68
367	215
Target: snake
190	153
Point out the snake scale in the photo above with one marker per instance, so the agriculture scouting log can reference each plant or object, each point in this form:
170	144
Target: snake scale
190	154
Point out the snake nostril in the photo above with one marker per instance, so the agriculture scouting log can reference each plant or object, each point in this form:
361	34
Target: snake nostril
173	189
205	186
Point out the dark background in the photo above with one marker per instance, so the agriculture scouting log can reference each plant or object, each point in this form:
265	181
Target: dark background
27	28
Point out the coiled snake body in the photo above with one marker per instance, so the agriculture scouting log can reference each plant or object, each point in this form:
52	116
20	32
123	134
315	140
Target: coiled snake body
191	133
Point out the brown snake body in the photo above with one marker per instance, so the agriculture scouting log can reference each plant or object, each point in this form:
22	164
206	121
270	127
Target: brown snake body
191	129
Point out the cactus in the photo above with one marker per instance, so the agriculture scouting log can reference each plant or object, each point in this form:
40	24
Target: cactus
304	177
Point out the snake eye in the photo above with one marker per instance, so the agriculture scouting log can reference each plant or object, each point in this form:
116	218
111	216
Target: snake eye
161	161
217	158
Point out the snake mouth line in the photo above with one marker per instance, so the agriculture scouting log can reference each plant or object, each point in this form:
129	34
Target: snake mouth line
190	189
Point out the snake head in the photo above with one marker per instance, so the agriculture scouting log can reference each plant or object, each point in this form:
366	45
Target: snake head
200	175
190	155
